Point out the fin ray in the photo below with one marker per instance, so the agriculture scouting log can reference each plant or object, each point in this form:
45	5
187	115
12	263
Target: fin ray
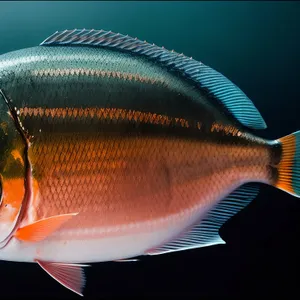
217	86
39	230
71	276
289	165
207	232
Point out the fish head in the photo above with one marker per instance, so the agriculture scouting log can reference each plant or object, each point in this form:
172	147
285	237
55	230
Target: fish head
12	168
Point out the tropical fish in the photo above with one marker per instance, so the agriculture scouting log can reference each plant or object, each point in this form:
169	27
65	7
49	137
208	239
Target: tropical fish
113	148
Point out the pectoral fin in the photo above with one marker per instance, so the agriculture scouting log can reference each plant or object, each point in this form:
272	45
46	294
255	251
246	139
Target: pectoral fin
41	229
70	276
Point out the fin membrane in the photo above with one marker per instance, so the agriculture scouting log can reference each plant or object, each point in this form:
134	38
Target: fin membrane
70	276
289	165
207	232
217	85
41	229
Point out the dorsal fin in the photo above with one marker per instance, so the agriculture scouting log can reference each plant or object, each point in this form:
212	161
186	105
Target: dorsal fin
216	85
207	232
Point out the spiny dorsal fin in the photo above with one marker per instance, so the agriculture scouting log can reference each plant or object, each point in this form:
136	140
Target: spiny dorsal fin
207	232
217	85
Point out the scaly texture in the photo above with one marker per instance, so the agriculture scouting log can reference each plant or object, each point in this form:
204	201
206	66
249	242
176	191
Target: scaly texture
218	86
115	180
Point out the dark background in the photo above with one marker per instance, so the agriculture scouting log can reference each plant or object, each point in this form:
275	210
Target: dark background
257	46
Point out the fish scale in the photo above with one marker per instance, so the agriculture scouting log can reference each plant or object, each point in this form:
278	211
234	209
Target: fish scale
126	149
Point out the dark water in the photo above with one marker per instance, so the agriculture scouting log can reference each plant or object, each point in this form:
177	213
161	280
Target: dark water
256	45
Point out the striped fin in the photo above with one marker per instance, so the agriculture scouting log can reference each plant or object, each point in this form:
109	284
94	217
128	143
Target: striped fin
215	84
71	276
289	165
207	232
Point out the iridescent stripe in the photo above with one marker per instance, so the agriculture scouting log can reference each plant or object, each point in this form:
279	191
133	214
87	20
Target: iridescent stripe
116	114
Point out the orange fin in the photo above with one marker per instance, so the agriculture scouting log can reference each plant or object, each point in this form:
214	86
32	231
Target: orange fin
70	276
41	229
288	178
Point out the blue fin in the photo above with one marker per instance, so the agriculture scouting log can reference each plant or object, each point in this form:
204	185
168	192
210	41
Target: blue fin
207	232
216	85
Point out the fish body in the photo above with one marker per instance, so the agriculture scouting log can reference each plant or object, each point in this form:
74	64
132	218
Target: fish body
120	152
109	147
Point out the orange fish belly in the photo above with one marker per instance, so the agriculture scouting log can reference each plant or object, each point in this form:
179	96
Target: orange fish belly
131	194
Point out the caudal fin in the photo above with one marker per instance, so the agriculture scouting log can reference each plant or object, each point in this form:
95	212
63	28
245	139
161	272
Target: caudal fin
288	178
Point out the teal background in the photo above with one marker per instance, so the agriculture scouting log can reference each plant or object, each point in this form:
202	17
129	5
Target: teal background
256	45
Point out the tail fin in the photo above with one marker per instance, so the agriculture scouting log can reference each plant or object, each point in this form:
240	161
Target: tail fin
289	166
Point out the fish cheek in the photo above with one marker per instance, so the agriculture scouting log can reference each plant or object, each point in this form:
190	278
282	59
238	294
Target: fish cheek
13	166
12	182
12	195
9	207
13	191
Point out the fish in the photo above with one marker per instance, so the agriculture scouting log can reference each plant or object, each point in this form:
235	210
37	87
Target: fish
113	148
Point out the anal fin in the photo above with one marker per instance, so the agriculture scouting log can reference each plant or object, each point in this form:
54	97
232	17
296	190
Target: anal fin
206	233
39	230
70	276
